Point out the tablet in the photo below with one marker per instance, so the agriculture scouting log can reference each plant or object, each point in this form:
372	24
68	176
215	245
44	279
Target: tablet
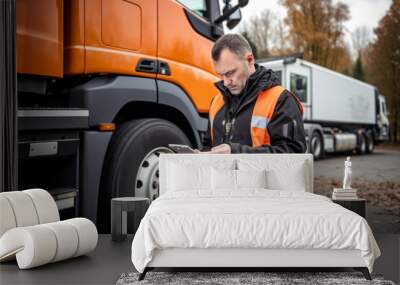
181	148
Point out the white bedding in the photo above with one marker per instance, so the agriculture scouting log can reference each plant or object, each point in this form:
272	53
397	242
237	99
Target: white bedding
252	218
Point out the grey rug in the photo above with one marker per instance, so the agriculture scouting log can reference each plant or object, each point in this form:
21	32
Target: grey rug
228	278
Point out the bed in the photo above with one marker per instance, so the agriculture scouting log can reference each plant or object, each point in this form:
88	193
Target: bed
247	210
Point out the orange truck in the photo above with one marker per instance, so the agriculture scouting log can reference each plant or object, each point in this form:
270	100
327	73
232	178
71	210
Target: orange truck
104	86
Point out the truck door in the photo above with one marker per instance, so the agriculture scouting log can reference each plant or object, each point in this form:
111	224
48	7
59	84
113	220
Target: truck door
104	36
298	78
184	48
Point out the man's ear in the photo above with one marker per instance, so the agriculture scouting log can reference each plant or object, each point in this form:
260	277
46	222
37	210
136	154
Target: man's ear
250	58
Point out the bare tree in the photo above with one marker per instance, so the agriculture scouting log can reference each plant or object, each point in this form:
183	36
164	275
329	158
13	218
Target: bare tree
280	35
361	37
259	30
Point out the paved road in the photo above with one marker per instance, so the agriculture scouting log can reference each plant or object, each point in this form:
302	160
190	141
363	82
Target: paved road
382	165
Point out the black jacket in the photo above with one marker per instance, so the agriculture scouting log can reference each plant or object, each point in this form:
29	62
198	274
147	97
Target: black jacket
285	128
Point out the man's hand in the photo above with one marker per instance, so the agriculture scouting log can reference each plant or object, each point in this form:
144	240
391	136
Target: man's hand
222	148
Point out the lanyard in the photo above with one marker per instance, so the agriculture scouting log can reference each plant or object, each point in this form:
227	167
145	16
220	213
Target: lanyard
228	129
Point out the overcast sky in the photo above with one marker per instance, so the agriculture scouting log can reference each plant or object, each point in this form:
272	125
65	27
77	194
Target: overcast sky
363	12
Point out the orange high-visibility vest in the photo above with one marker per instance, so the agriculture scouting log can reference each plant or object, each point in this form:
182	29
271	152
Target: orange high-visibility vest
262	114
216	104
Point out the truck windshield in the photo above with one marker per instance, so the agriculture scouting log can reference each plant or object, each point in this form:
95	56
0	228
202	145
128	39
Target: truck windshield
383	107
197	6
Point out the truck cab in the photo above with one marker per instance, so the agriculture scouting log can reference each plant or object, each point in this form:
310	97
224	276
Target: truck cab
103	88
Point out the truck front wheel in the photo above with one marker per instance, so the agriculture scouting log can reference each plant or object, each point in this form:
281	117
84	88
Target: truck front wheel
131	165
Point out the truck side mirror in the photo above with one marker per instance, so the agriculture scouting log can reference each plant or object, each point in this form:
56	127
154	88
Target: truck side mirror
234	19
231	14
243	3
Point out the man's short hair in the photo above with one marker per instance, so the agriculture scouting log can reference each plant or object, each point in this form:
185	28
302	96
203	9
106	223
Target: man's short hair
236	43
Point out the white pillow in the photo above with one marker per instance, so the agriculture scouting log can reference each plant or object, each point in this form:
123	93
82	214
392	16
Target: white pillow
223	179
183	177
292	179
251	178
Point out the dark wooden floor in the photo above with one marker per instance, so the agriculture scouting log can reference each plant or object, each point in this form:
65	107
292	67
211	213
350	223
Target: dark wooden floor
110	260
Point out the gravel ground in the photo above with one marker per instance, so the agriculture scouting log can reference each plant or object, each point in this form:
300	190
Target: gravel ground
377	178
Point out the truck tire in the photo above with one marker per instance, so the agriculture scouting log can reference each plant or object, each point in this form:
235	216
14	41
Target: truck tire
362	144
370	143
131	165
316	145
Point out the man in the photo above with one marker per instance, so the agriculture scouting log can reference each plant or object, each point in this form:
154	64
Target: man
252	113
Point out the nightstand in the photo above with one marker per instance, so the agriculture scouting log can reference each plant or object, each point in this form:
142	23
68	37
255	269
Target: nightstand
356	205
119	210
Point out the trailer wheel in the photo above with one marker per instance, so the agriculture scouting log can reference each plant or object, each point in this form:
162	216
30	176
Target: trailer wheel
370	143
362	144
316	145
131	165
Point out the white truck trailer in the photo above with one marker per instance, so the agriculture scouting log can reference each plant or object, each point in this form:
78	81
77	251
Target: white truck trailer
341	114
